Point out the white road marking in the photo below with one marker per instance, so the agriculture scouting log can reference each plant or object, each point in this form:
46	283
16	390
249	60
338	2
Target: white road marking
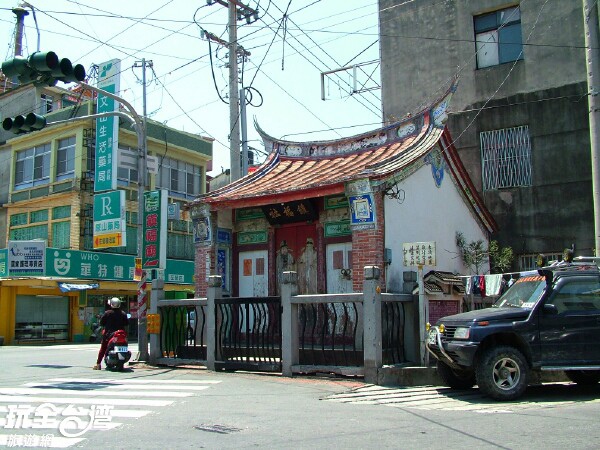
78	385
13	399
88	396
94	392
442	399
133	381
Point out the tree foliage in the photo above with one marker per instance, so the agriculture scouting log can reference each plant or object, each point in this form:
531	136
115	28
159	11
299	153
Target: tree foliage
475	255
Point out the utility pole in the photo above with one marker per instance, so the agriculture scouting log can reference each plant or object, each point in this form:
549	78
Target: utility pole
234	132
590	26
142	186
237	11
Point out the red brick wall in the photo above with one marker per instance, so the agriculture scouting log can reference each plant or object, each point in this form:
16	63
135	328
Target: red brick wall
441	308
368	248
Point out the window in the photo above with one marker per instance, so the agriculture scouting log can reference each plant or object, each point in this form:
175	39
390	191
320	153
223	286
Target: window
61	234
38	216
18	219
498	37
505	158
577	296
126	175
46	104
29	233
180	246
33	167
65	159
180	178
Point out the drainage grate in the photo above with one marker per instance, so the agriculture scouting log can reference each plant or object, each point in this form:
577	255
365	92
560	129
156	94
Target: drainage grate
221	429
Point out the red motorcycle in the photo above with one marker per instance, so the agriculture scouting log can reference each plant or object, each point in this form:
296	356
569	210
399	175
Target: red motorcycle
117	351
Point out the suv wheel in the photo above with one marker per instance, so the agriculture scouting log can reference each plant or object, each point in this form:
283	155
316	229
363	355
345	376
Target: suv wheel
456	379
502	373
584	377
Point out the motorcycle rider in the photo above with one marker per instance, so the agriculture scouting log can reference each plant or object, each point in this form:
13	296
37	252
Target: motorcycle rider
113	319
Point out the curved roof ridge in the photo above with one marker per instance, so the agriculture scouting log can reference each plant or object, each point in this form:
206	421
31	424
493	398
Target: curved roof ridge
357	137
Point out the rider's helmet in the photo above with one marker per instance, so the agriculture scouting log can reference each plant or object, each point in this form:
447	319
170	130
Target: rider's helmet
115	302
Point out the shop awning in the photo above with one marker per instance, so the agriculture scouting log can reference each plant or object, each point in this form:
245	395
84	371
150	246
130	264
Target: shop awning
70	287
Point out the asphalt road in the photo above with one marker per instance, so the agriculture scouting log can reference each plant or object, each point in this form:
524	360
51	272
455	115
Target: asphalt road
50	398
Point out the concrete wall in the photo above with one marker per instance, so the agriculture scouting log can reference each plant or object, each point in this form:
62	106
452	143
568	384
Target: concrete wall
557	210
425	43
428	213
545	91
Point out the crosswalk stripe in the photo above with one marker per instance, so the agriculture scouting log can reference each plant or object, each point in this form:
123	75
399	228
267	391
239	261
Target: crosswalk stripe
83	401
442	399
129	381
101	399
114	386
123	413
121	393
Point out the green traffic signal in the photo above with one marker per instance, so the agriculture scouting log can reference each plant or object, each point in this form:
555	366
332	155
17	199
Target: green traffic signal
24	124
43	62
43	68
18	67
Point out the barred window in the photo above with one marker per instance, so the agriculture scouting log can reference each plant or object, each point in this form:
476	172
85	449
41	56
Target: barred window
529	262
506	158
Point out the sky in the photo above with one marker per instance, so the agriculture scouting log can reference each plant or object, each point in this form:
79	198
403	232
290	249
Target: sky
291	44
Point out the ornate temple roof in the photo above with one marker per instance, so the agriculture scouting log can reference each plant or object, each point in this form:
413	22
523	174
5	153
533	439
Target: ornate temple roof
299	170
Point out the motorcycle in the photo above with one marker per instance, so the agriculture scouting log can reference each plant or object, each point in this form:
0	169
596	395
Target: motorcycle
117	351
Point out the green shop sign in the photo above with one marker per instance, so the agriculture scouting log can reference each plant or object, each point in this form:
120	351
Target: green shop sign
108	266
3	262
333	229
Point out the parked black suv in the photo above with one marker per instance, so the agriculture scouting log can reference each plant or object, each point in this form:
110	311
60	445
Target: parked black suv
549	320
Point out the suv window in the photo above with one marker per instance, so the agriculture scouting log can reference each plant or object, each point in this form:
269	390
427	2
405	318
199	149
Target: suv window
524	293
577	296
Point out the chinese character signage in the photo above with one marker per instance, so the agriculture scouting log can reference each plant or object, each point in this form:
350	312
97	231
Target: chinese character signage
154	244
107	128
3	262
109	219
108	266
290	212
419	254
26	258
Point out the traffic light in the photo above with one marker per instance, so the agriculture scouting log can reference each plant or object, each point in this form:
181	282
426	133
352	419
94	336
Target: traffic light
24	124
43	68
153	323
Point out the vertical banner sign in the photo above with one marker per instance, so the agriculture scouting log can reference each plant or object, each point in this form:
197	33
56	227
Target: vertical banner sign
154	245
107	128
109	220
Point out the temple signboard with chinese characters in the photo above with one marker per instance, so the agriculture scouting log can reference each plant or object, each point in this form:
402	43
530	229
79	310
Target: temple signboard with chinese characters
419	254
290	212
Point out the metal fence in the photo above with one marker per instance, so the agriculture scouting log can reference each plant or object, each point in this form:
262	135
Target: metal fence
336	333
183	329
248	333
